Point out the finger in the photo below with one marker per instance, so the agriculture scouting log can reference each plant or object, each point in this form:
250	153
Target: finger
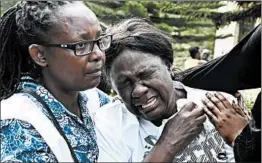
238	109
211	107
240	101
237	95
199	129
210	115
189	106
225	102
241	110
249	115
200	120
242	106
216	101
199	111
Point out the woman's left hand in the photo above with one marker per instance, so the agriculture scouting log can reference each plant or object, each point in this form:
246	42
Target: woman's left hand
229	119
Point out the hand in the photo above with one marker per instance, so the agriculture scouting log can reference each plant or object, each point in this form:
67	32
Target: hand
228	119
241	103
182	128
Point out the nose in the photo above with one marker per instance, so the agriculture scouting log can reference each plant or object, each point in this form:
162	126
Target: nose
96	55
139	90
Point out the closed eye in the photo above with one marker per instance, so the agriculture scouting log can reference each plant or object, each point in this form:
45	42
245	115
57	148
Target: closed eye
145	75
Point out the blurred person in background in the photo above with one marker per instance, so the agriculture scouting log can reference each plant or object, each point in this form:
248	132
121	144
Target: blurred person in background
205	54
195	59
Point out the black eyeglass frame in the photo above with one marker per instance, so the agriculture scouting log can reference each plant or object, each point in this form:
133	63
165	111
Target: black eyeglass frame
72	46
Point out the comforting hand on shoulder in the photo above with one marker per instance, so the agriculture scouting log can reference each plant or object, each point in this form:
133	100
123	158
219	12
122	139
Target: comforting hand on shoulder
229	119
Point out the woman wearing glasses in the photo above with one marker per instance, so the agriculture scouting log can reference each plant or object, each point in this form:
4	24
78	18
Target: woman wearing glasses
51	51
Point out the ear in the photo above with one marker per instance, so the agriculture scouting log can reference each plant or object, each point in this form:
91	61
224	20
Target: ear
37	54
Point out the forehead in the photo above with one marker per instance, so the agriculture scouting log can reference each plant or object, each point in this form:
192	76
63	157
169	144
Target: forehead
76	19
131	62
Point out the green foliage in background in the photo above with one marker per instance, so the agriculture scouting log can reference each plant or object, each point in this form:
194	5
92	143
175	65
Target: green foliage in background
189	23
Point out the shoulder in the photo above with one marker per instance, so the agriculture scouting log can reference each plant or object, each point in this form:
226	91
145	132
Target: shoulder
15	100
114	120
97	95
196	95
16	105
103	97
114	113
21	142
115	128
95	99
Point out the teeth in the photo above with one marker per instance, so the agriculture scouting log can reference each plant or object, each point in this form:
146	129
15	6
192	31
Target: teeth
150	103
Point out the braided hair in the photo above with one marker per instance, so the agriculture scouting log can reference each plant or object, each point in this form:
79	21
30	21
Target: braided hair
25	23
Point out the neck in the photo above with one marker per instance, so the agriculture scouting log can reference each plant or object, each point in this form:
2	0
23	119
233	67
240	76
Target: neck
177	94
68	98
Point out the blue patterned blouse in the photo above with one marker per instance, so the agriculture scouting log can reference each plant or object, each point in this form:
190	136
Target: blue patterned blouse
21	142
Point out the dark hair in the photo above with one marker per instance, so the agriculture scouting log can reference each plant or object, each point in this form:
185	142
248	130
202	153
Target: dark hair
138	34
193	51
25	23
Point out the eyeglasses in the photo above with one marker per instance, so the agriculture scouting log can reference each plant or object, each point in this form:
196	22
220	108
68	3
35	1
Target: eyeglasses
85	47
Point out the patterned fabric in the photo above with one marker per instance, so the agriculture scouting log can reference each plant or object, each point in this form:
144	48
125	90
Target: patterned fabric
208	146
21	142
133	138
103	98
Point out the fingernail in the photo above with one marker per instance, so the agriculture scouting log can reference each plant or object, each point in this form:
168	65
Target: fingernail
194	105
234	103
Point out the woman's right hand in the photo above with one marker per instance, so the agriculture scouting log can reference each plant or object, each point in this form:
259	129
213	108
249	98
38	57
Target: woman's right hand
182	128
178	132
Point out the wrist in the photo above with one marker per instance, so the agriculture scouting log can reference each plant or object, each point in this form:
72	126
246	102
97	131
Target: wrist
167	149
158	154
231	141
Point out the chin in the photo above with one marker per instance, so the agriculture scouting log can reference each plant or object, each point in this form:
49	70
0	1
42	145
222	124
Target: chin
153	117
91	84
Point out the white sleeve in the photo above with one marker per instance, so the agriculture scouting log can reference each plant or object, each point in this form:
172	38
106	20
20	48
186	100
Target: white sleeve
109	130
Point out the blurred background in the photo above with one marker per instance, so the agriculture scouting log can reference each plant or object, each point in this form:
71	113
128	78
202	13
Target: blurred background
214	26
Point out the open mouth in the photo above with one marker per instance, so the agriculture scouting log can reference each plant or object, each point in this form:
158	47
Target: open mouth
150	103
149	106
